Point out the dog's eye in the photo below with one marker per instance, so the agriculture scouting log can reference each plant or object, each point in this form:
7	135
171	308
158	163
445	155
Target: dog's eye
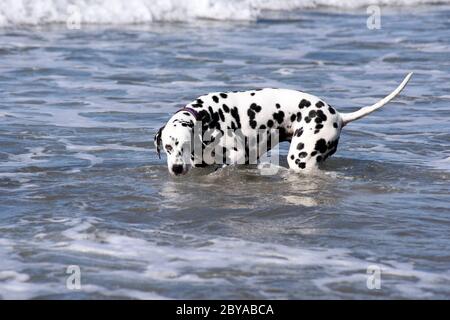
168	147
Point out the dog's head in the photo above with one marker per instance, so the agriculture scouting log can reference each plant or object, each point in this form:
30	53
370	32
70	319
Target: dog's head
175	138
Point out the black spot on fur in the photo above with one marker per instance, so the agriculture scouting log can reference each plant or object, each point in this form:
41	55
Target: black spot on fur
278	106
319	104
297	161
298	132
302	154
198	103
251	114
279	116
252	94
319	158
300	146
214	123
332	147
307	119
225	108
304	104
312	113
222	117
255	107
299	116
204	116
335	125
293	116
302	165
292	157
332	111
333	144
270	123
318	127
321	146
215	99
313	153
235	115
224	95
321	115
263	126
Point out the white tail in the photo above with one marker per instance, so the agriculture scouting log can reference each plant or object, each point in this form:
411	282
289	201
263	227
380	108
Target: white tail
349	117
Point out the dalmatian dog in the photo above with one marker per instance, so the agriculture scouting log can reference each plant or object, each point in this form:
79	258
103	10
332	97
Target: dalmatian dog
221	127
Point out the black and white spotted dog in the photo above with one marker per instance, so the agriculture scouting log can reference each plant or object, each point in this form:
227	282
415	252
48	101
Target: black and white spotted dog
231	119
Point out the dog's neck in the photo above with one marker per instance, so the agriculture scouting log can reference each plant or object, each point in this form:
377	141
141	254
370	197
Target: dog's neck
193	112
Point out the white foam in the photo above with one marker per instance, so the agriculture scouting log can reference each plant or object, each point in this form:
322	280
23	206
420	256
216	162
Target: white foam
442	164
32	157
93	160
104	147
31	12
174	263
189	262
13	284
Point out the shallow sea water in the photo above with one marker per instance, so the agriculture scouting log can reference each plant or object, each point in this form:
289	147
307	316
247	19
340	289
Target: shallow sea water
81	184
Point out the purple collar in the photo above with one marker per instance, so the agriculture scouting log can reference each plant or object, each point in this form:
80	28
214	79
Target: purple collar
191	111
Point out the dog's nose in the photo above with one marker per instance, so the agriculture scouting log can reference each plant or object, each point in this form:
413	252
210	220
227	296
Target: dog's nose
177	169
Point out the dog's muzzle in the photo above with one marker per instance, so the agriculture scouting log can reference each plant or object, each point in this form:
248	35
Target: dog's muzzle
178	169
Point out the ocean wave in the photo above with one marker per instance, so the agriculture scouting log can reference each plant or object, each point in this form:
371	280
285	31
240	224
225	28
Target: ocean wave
75	12
217	257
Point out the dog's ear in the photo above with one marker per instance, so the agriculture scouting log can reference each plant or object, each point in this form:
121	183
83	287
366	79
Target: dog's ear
158	141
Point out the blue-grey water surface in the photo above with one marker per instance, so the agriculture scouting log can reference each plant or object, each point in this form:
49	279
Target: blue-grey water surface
81	184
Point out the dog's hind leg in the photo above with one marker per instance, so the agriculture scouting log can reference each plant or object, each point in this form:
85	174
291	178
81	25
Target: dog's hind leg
310	146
